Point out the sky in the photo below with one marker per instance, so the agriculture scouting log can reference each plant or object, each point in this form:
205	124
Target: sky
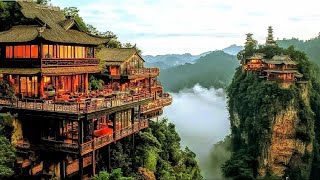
196	26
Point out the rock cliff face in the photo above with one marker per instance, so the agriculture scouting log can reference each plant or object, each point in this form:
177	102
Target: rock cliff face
284	149
272	128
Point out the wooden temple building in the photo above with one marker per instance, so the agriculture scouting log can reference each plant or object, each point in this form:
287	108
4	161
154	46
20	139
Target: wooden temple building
60	124
280	68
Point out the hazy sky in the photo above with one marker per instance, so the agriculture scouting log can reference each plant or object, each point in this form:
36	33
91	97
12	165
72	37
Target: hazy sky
196	26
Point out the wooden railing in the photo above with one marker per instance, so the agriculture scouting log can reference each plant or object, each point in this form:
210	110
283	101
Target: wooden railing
107	139
143	71
56	62
281	80
92	105
36	169
161	102
73	167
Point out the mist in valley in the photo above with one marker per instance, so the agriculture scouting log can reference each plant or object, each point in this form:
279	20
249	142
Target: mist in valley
201	119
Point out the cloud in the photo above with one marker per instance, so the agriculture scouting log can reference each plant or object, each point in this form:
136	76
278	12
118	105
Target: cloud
201	119
145	20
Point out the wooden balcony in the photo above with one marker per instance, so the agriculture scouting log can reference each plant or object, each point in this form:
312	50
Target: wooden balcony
142	72
87	106
37	168
85	148
74	166
57	62
157	104
107	139
281	79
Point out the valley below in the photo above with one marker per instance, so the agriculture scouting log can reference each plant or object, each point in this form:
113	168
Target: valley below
201	119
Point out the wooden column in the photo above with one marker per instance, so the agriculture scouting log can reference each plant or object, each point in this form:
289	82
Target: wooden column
86	82
114	126
132	116
94	162
80	132
80	167
62	169
139	112
41	86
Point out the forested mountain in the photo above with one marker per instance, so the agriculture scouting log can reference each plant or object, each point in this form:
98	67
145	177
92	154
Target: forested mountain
233	49
169	60
213	70
274	126
310	47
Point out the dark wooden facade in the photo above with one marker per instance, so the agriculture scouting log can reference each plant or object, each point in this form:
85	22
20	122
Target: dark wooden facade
61	125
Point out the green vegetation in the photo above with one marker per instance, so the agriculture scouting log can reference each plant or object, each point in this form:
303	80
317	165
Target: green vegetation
7	151
219	154
157	151
213	70
116	174
253	104
310	47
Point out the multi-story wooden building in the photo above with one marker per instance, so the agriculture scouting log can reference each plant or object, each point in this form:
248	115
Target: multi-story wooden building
254	63
282	68
60	124
124	69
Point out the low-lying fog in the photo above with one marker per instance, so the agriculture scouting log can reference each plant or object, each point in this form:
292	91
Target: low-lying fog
201	119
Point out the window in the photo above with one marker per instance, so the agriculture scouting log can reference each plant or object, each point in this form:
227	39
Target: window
79	52
9	52
60	51
34	51
70	52
90	52
28	51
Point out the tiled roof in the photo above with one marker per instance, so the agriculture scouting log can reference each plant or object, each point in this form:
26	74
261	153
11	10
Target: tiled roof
52	71
281	59
71	70
52	26
116	56
22	71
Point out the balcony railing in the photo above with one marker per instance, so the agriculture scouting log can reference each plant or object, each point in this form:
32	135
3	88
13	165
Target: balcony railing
87	106
54	62
88	147
143	71
161	102
107	139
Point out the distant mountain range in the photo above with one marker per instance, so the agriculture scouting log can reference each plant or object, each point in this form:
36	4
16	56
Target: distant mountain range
171	60
233	49
215	69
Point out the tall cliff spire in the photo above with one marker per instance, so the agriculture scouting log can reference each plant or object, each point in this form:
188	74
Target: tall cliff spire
269	40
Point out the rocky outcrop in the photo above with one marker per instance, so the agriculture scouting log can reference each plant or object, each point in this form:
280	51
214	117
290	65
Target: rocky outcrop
284	145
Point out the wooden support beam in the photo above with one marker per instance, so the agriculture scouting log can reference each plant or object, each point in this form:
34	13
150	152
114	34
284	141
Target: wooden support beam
41	86
132	116
86	82
94	162
62	169
80	130
81	167
114	126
